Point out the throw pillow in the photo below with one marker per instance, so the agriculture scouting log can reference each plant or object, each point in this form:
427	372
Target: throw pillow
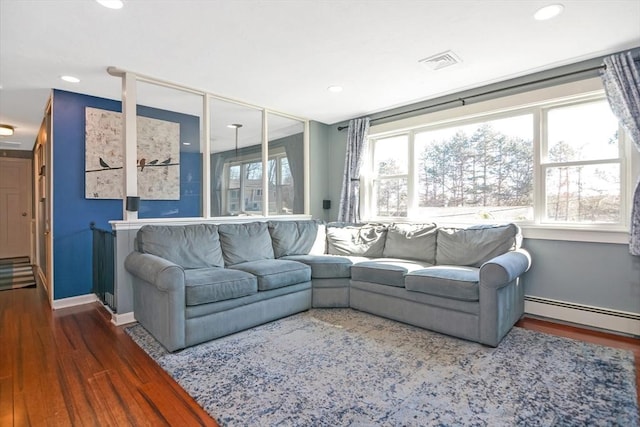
356	239
475	245
298	238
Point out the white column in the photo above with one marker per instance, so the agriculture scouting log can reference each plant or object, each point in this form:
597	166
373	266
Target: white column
130	134
307	185
205	149
265	164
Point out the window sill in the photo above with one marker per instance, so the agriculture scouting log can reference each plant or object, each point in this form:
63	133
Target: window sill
572	233
575	234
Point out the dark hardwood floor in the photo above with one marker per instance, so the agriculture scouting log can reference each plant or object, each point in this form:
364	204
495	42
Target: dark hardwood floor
73	367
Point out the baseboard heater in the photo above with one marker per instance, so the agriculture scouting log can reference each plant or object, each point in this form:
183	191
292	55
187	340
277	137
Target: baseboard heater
110	299
603	318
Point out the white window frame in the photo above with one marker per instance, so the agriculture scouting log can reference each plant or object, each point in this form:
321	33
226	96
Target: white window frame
242	162
533	102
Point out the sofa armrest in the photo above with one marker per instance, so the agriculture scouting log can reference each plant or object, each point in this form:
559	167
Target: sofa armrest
159	298
504	268
155	270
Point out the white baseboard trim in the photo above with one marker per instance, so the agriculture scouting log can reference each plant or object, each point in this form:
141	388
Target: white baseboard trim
73	301
122	319
602	318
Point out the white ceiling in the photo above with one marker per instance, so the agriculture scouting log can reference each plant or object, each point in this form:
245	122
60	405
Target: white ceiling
284	54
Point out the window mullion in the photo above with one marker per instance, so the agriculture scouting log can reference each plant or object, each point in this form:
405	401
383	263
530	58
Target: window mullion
412	181
539	148
580	163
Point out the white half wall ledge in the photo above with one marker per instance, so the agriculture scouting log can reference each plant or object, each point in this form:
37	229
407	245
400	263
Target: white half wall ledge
605	319
74	301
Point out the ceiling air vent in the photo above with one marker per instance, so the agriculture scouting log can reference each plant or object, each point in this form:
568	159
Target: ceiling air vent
441	60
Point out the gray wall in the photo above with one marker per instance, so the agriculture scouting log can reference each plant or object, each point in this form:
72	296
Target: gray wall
318	177
337	145
599	274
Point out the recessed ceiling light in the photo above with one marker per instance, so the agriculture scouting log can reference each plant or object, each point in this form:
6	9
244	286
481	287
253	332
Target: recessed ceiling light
548	12
111	4
70	79
335	89
6	130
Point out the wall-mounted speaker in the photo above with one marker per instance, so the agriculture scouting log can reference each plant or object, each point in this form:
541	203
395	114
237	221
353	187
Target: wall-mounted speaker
326	204
133	203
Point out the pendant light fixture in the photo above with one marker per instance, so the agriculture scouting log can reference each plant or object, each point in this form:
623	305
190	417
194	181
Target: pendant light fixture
235	126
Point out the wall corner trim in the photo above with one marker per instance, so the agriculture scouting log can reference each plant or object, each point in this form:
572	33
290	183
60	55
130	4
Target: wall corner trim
123	318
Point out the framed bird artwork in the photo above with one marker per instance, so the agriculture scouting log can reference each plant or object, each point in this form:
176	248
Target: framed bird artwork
157	163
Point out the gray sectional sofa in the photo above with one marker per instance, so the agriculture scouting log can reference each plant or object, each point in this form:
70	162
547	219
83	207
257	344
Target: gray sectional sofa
194	283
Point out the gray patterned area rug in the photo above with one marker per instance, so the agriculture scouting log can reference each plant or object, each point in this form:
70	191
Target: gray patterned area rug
344	367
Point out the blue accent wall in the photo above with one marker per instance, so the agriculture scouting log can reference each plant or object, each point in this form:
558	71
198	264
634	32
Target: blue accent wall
72	213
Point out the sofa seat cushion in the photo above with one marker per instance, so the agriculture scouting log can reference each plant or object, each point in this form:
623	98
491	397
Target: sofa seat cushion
448	281
195	311
276	273
325	266
385	271
205	285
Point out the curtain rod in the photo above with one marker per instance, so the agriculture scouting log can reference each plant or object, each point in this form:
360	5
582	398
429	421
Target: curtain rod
489	92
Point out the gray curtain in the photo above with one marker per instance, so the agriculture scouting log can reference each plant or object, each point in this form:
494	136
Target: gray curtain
621	80
294	147
356	147
217	176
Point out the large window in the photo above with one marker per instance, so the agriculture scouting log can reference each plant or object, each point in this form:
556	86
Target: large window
582	164
391	173
556	162
482	170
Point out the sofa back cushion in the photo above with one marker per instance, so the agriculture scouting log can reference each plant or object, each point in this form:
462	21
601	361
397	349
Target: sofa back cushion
411	241
475	245
298	238
245	242
356	239
190	246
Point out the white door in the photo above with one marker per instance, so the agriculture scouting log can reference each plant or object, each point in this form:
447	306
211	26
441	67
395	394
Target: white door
15	207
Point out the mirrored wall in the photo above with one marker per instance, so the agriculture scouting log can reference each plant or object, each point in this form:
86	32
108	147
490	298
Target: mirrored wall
236	159
169	155
245	180
285	165
200	155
